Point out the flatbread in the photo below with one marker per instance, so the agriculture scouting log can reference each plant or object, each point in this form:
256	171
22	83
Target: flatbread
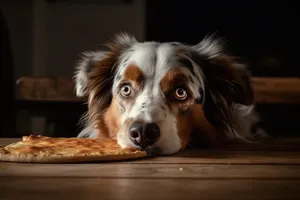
42	149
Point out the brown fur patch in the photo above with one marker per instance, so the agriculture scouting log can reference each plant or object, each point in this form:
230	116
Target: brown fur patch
173	79
170	78
195	121
112	119
134	74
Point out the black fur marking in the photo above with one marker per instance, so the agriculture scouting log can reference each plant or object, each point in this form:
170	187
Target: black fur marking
200	99
155	59
122	109
191	79
89	65
125	61
130	50
162	107
198	78
118	77
174	44
255	128
185	111
143	105
188	64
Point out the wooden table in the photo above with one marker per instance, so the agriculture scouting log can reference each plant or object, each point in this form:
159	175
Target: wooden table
191	174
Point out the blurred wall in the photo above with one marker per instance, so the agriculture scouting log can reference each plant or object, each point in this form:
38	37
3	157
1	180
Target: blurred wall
73	28
18	17
48	36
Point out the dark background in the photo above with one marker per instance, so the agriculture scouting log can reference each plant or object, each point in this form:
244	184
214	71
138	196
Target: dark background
264	33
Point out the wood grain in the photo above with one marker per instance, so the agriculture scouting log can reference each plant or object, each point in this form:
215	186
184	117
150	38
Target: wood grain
144	189
190	174
138	170
267	90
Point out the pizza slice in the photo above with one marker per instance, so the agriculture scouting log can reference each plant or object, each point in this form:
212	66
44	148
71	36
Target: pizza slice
42	149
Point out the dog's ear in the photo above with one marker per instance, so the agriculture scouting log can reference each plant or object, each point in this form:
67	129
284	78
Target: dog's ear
223	73
84	68
227	81
230	78
95	71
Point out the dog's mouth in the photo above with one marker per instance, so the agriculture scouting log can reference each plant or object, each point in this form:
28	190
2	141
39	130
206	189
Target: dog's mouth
152	151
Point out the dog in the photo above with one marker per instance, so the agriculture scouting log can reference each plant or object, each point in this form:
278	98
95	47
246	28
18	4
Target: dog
161	97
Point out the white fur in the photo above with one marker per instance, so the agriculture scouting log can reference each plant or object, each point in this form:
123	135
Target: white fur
246	116
154	61
210	46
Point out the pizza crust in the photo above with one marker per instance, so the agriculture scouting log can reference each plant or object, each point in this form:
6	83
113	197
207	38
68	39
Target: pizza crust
67	159
42	149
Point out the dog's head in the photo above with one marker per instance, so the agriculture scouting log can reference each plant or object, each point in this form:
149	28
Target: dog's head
153	95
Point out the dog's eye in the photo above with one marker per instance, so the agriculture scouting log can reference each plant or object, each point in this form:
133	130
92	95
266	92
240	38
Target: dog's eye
180	94
126	90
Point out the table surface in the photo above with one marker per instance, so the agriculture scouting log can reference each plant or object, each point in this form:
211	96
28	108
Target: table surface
235	173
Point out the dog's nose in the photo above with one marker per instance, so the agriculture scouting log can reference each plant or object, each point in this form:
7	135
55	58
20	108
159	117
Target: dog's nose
144	134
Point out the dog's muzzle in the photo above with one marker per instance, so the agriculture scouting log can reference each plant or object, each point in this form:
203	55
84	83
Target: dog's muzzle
144	134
